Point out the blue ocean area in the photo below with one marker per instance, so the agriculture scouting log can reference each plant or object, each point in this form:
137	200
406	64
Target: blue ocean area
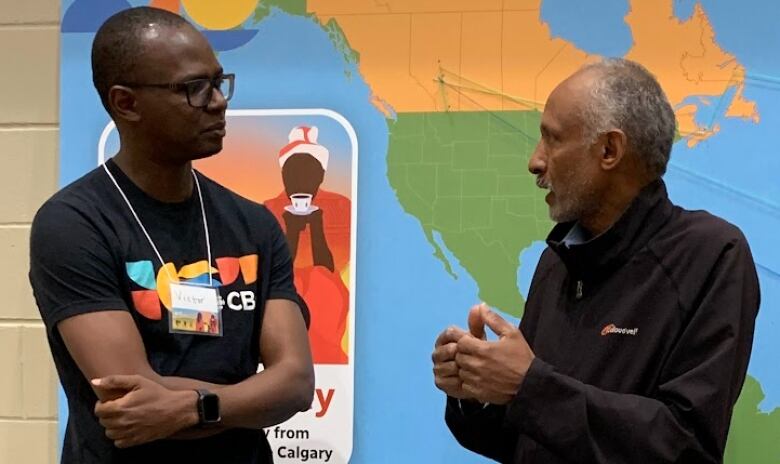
597	26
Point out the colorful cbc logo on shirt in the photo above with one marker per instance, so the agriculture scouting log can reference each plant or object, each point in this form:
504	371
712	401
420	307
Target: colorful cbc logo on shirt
155	293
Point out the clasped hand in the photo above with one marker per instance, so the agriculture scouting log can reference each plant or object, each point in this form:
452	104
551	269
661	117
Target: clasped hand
468	366
136	410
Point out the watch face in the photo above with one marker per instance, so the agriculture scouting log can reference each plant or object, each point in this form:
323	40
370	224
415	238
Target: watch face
210	408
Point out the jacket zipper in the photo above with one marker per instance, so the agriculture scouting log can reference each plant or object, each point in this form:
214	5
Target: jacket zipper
578	295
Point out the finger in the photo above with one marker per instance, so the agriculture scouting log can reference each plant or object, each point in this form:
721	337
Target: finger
472	345
448	382
114	423
449	335
476	324
117	433
469	377
469	362
118	382
459	394
445	353
497	324
446	369
472	391
107	409
125	442
449	385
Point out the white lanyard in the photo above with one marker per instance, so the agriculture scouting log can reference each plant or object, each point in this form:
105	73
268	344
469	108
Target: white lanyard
140	224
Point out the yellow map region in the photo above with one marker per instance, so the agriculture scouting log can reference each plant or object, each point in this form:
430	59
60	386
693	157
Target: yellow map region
462	55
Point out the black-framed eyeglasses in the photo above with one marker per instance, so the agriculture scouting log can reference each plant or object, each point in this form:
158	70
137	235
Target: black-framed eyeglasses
199	91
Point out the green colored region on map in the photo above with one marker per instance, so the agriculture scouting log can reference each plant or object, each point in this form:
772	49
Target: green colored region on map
332	28
464	175
337	37
293	7
754	437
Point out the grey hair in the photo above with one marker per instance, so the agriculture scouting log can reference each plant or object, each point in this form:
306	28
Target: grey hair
627	96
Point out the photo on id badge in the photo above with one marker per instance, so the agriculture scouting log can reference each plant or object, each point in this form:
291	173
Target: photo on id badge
301	164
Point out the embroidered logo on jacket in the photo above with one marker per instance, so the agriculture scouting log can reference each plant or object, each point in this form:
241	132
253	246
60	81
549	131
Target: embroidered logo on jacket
612	329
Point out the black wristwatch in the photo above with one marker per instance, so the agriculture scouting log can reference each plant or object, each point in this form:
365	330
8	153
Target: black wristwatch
208	408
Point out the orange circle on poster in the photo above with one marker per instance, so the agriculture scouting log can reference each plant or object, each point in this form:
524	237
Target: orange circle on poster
222	15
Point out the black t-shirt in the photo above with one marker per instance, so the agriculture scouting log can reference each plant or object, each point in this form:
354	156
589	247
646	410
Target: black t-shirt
88	254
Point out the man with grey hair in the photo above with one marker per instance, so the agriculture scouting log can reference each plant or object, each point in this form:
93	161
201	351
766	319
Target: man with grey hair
639	322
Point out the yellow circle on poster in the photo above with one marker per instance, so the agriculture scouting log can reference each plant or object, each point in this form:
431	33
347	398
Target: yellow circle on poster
221	15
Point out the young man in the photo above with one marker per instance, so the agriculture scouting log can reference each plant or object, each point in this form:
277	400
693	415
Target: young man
125	260
639	323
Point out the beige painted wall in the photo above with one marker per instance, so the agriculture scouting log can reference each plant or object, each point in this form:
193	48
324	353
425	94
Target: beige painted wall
29	131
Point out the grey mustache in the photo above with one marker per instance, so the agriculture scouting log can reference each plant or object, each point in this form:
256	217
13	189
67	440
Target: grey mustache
542	183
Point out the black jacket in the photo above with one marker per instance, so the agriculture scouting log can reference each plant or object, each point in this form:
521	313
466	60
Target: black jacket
642	337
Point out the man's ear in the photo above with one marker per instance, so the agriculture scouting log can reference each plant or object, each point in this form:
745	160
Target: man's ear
123	103
613	146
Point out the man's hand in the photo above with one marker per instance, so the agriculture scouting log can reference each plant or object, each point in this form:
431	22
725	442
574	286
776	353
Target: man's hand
476	324
445	370
492	372
146	412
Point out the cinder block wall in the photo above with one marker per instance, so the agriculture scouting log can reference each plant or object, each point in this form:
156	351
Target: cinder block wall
29	131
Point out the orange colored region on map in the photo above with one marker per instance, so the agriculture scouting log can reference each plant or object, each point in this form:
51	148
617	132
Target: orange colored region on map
687	61
437	55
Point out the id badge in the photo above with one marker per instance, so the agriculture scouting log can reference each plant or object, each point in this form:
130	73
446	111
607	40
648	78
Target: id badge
195	310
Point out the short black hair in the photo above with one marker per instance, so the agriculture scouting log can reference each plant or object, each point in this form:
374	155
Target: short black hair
118	46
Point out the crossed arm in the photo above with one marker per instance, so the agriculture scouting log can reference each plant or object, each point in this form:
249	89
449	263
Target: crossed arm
137	405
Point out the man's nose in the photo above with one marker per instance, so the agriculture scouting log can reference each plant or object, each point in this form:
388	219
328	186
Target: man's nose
218	101
537	164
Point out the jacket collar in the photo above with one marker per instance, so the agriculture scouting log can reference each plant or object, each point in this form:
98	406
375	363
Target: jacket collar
608	251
